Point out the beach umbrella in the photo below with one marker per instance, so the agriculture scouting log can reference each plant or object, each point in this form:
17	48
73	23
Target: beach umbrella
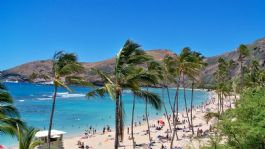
161	122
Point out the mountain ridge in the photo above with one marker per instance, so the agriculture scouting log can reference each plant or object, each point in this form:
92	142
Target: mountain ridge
25	72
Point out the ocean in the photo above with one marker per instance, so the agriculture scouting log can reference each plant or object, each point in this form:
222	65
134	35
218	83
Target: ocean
75	112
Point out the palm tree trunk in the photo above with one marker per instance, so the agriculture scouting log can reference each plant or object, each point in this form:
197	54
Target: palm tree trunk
177	109
242	74
117	111
146	115
169	100
133	122
185	100
175	120
51	116
165	108
121	126
191	106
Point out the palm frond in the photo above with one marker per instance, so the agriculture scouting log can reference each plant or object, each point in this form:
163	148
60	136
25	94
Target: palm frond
76	80
138	59
26	138
111	90
102	75
34	144
57	55
101	91
2	87
8	110
71	68
131	53
60	83
5	98
7	130
151	98
8	125
143	78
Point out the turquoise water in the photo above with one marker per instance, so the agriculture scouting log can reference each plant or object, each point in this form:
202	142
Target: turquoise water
75	112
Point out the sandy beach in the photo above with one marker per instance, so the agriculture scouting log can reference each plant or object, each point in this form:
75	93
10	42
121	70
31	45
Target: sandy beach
106	140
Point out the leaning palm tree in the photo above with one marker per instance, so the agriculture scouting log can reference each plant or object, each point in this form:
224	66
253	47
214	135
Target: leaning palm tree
64	65
150	98
140	76
127	59
26	138
167	72
9	116
197	59
155	70
185	67
243	53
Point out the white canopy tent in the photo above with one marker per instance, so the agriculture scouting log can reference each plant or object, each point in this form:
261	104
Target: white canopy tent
55	134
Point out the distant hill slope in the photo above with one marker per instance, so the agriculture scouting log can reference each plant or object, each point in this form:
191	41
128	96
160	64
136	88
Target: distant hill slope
257	51
26	71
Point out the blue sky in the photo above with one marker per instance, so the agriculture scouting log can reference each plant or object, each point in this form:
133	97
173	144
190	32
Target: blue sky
96	29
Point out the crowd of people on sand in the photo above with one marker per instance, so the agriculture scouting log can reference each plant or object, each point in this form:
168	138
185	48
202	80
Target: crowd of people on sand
89	133
83	146
182	126
200	132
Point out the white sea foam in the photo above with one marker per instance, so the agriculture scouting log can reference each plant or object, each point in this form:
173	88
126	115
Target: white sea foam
44	98
68	95
62	95
21	100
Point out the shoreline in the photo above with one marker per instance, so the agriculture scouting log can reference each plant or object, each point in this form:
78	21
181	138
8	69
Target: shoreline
76	136
101	141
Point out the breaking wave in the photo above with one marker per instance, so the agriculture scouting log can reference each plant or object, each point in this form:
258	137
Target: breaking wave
62	95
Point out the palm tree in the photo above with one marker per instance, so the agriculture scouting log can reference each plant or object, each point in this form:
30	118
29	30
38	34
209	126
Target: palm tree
168	71
196	58
169	75
127	61
146	78
154	68
26	138
185	67
243	53
253	76
151	99
64	65
188	68
9	116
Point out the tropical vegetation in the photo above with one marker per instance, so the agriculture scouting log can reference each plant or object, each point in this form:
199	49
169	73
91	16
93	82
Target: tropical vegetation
9	115
64	68
127	75
243	126
26	138
240	127
10	123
